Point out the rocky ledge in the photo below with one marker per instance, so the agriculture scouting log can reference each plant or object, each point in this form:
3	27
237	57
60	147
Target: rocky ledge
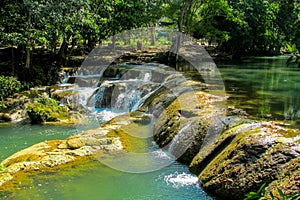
231	154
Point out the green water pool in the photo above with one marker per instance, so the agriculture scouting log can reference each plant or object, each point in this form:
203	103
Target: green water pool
92	180
264	87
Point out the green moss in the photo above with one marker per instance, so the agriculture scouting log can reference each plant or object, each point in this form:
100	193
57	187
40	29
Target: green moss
2	167
46	110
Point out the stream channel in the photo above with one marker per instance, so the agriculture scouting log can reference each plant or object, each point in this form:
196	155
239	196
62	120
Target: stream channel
264	87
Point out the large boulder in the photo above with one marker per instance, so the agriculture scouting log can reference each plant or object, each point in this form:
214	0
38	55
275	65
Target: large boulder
247	156
47	110
182	127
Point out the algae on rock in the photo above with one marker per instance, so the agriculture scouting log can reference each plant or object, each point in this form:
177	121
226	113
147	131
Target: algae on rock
48	110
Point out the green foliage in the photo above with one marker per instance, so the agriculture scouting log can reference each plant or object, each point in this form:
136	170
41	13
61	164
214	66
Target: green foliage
240	28
65	25
46	110
8	86
295	57
256	195
260	194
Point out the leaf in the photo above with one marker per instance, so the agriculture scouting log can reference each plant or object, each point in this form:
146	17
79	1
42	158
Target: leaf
281	192
262	190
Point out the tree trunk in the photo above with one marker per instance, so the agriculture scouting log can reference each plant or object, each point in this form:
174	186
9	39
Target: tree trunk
13	61
62	53
183	10
69	53
27	48
152	29
27	63
113	41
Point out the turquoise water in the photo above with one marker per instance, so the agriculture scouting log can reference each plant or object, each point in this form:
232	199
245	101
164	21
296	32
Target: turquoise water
264	87
96	181
17	136
92	180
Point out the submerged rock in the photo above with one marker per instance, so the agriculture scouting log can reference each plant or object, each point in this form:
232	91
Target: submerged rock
54	153
109	138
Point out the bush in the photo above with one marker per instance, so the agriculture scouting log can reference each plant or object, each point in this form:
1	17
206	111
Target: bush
8	86
46	110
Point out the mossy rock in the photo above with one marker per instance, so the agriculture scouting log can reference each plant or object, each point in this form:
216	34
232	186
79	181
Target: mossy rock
288	182
255	156
47	110
183	125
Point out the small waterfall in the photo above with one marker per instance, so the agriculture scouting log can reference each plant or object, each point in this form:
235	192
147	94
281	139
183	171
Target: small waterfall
181	140
98	96
126	100
121	89
124	95
84	95
145	76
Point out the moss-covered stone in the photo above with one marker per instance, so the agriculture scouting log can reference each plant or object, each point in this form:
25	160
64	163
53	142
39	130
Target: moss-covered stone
14	108
255	156
288	181
47	110
186	121
111	137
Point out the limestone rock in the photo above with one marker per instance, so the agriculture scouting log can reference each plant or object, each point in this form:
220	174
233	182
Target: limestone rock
75	142
255	156
288	181
183	125
5	177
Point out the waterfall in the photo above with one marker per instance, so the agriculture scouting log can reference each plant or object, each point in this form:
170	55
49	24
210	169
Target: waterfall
145	76
181	140
126	100
84	95
125	94
121	88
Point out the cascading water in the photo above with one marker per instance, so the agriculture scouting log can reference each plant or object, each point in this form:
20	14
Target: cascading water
116	90
124	95
181	140
126	100
83	95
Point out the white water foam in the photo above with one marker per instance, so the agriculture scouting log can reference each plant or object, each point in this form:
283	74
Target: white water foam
84	93
178	180
160	154
105	115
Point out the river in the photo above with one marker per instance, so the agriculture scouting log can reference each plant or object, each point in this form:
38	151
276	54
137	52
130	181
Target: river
264	87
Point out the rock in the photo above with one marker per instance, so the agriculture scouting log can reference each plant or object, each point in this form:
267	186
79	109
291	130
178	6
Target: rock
288	181
75	143
231	154
182	126
255	156
92	144
5	117
5	177
32	153
48	110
